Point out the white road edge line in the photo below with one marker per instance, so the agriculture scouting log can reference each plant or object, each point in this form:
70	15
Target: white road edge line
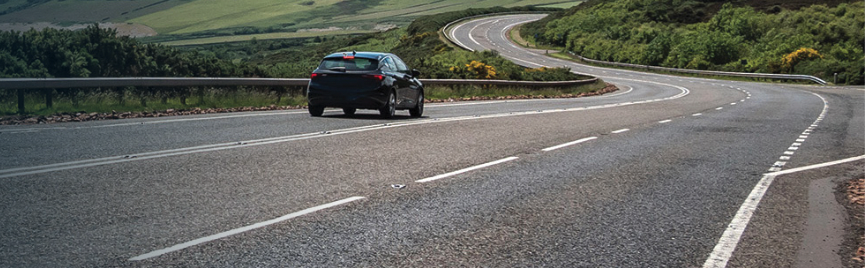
461	171
244	229
730	239
473	29
568	144
816	166
195	119
453	31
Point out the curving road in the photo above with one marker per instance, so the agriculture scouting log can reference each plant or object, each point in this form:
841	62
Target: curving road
649	176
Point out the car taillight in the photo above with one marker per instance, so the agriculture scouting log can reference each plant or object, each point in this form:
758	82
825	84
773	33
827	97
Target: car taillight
313	76
375	76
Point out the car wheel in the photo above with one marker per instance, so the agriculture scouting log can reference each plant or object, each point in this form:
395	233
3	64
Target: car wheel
417	111
349	111
389	109
316	110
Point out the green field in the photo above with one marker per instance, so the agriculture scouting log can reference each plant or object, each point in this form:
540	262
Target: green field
201	15
198	16
193	16
264	36
199	21
81	11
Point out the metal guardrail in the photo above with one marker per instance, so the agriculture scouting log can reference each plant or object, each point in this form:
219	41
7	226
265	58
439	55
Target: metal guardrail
22	84
656	68
702	72
39	83
445	82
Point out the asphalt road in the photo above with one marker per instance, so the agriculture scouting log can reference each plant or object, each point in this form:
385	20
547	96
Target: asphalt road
649	176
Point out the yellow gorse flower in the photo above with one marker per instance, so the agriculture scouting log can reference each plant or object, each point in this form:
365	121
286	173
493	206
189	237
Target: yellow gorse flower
790	60
477	70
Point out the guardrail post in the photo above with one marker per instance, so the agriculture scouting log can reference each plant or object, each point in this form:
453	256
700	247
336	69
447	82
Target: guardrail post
49	97
20	101
835	81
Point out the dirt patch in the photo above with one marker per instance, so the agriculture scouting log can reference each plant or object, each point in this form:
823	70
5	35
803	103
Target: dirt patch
384	27
855	197
328	29
516	37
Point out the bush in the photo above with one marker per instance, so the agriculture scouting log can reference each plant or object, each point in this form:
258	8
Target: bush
734	38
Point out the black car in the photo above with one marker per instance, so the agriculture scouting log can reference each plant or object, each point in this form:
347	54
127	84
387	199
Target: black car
365	80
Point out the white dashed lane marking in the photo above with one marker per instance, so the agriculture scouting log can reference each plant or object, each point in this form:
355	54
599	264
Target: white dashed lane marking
225	234
461	171
568	144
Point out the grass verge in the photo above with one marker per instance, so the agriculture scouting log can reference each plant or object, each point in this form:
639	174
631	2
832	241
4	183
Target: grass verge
452	93
111	102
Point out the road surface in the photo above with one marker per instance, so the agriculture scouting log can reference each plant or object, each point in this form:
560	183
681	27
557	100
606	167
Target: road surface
652	175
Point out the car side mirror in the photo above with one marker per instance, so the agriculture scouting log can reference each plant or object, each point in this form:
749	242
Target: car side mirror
415	73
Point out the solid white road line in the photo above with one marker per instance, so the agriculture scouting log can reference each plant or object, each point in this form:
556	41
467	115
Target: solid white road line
461	171
730	239
568	144
822	165
453	33
197	119
243	229
473	29
152	120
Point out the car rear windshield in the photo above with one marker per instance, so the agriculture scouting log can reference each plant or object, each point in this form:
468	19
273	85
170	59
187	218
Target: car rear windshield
350	64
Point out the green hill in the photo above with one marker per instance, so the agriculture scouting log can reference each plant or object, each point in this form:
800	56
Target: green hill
197	16
194	19
817	38
80	11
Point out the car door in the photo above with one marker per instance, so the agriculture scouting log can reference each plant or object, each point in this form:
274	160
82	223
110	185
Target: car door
410	87
400	82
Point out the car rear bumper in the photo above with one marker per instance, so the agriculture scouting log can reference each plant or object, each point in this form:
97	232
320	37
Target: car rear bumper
370	99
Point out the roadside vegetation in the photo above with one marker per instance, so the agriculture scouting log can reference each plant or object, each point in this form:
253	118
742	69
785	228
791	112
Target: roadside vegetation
740	36
98	52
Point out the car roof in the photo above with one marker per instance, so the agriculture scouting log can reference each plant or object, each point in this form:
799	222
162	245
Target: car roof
367	55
